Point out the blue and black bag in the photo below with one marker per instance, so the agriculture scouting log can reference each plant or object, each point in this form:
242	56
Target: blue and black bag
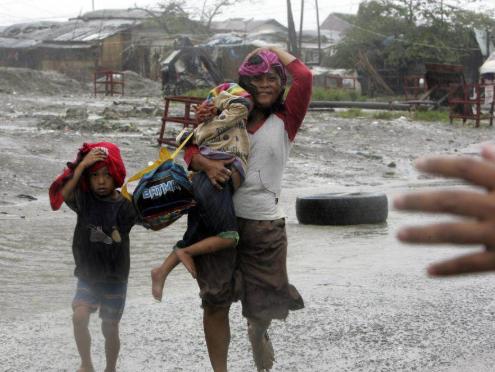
164	192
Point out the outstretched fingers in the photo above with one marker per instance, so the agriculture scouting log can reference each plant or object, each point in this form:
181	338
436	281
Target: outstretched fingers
455	233
488	152
459	202
471	263
476	171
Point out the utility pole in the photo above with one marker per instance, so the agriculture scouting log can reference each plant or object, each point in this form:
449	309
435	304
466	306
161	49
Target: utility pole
318	28
93	3
301	26
487	43
292	39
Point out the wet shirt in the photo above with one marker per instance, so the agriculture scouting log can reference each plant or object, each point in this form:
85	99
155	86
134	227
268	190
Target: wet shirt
101	238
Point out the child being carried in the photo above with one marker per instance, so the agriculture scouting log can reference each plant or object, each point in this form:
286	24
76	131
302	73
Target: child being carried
212	224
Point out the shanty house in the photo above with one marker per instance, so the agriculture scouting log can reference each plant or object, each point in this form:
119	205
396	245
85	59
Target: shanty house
248	26
336	25
99	40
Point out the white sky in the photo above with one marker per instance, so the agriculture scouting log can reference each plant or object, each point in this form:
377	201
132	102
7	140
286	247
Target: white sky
18	11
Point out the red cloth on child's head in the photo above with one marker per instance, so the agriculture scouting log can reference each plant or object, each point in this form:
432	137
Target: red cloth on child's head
113	162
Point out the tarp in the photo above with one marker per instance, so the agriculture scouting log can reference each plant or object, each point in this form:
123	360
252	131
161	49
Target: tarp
489	66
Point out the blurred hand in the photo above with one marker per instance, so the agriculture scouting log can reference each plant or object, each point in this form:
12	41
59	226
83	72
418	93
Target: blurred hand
217	171
93	156
254	52
204	112
477	206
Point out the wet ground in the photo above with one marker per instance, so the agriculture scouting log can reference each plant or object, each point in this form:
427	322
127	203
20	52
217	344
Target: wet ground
369	305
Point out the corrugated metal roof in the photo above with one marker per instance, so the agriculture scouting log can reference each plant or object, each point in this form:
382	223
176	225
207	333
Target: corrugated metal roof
6	42
65	46
246	25
136	14
76	30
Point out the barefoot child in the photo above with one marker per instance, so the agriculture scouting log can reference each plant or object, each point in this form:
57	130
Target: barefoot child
100	245
211	225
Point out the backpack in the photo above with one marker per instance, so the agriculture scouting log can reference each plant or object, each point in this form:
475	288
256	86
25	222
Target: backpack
164	192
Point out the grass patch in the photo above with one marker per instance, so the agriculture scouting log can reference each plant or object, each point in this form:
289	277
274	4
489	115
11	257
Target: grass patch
198	92
430	116
351	113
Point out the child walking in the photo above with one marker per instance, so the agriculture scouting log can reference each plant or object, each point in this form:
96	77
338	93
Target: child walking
100	244
212	225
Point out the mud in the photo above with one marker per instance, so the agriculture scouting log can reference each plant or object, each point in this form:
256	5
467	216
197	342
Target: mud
369	305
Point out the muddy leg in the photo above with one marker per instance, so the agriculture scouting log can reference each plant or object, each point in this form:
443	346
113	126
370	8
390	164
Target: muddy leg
261	345
217	335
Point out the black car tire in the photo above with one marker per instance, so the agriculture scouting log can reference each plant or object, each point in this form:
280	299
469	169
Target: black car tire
342	208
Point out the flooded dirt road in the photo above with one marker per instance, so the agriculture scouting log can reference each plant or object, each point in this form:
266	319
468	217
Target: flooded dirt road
369	305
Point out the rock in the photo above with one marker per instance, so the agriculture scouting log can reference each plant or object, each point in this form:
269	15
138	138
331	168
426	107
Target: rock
76	113
128	127
52	122
147	110
25	196
369	156
158	112
111	114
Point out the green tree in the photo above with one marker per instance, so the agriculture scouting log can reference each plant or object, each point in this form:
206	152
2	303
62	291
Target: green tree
397	33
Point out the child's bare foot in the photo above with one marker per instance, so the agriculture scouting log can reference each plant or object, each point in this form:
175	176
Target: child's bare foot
187	261
157	283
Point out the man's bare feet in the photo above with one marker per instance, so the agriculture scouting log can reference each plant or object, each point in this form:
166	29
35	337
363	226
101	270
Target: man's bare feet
187	260
157	283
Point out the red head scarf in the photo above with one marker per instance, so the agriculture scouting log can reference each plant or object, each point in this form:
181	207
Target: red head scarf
113	162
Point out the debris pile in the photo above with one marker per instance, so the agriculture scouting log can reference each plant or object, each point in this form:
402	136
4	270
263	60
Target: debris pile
116	112
138	86
15	80
101	125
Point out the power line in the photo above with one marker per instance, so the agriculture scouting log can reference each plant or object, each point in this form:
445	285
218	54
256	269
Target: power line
410	42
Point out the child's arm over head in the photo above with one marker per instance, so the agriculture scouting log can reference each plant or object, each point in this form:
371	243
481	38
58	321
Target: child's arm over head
95	155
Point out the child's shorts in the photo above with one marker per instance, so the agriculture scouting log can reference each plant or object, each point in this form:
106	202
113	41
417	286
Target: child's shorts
108	296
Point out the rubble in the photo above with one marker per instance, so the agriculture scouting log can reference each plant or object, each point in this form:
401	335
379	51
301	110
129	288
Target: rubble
76	113
114	113
101	125
138	86
15	80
